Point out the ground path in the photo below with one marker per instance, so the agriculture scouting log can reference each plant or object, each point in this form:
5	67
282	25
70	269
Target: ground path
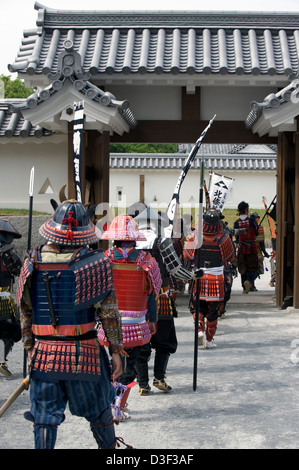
246	396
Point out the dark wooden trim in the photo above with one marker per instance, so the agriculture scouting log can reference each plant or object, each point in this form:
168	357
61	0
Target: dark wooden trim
188	131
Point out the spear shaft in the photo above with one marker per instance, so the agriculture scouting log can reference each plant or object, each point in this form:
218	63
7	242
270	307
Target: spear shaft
198	246
31	185
23	386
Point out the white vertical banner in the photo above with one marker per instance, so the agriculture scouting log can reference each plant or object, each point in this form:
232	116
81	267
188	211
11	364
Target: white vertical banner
220	187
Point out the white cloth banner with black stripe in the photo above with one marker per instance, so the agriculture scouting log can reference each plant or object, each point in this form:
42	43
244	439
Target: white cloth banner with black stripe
77	148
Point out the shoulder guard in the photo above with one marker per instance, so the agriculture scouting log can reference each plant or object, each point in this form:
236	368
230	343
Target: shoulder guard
93	277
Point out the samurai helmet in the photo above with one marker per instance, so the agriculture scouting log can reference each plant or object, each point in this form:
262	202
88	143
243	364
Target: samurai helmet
123	227
70	226
7	232
5	226
212	221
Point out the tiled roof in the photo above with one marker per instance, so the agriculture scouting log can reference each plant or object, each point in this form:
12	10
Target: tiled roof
274	100
12	123
163	42
69	70
220	157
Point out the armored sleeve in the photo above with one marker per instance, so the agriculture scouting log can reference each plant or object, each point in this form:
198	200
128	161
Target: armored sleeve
227	249
110	319
26	318
152	309
24	303
173	262
11	260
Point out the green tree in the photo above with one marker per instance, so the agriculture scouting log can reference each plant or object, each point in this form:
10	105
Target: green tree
143	148
15	88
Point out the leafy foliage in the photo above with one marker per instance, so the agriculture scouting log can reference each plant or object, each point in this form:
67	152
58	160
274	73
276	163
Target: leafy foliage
143	148
15	88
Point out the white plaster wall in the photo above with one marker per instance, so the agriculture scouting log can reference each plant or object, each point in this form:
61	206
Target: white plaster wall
229	102
49	160
159	185
146	100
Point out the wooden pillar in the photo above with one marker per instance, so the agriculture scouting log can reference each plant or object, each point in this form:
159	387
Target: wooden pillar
97	172
285	217
296	225
97	166
190	104
280	218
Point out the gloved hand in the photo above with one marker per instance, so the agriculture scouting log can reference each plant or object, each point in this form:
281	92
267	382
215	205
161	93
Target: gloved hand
197	273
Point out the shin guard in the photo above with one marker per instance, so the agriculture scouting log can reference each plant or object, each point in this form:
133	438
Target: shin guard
45	436
211	329
201	321
103	430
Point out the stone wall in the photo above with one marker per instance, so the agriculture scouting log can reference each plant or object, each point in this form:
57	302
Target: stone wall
21	225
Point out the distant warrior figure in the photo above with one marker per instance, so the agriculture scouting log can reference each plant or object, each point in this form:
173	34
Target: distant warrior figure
63	287
247	258
164	342
216	250
10	266
261	248
137	282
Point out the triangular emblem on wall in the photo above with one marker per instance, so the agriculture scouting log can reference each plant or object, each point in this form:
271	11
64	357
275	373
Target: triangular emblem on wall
46	188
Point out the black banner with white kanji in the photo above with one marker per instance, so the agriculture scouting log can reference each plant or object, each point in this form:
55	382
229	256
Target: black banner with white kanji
77	148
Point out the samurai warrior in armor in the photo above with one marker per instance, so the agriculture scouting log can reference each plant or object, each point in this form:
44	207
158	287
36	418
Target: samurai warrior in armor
164	342
247	256
137	282
217	249
10	265
64	286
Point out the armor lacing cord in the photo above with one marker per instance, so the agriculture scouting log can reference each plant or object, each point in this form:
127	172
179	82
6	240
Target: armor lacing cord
71	221
120	439
103	430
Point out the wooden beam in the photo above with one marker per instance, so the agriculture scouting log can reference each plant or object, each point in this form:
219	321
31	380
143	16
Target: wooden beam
188	131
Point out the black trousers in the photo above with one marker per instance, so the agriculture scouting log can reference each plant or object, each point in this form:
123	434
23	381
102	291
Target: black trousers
164	342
